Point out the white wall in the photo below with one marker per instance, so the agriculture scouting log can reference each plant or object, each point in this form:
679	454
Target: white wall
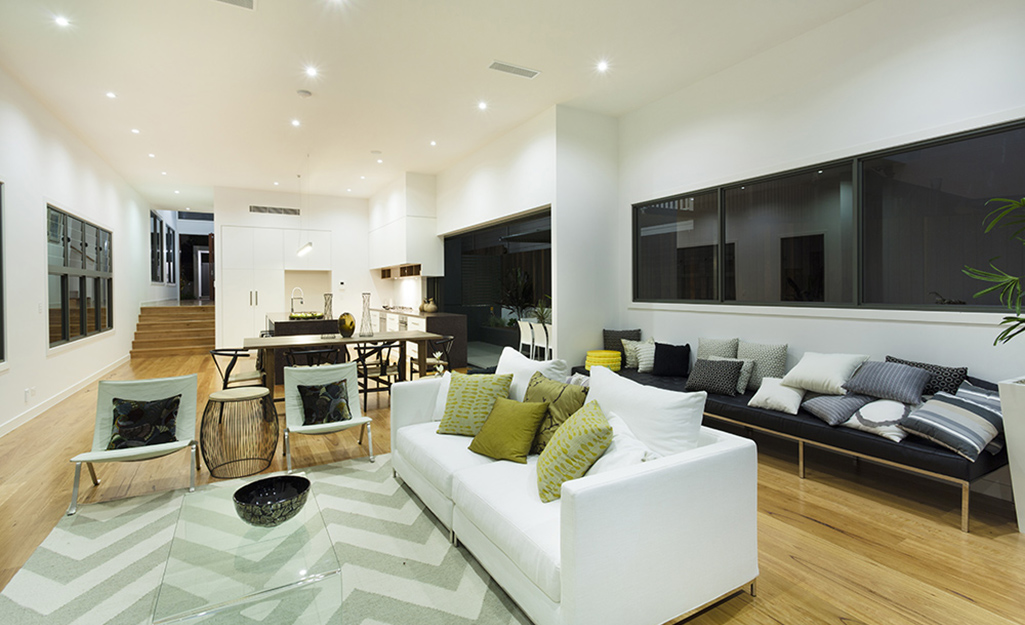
42	162
892	72
345	218
512	175
584	213
195	226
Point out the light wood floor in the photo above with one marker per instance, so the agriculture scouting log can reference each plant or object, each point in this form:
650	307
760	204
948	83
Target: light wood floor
850	544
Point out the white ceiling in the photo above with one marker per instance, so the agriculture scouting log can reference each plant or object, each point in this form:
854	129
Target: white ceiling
212	87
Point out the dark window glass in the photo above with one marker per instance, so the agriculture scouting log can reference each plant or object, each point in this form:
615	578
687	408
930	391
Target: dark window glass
924	211
156	248
169	253
80	277
676	248
794	237
58	323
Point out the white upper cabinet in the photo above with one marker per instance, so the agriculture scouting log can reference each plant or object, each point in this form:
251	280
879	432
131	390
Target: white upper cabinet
403	226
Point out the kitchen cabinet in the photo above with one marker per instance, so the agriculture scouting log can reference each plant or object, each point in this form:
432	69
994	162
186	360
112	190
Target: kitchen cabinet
440	323
252	275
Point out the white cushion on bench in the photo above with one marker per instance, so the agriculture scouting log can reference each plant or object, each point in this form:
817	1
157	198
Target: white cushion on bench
501	500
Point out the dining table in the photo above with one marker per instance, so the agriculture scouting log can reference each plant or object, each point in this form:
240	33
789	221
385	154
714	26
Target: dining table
269	345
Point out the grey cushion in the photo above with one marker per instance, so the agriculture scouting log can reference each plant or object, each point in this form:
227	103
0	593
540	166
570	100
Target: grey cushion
889	380
715	376
724	348
835	409
770	361
946	379
745	371
957	423
613	340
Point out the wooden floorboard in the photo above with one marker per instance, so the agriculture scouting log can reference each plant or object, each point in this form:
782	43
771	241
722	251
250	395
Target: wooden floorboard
852	543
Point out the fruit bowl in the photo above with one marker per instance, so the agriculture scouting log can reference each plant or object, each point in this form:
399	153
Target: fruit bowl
306	315
272	500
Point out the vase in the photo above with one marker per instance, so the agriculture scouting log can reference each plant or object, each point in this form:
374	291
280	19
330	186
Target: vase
346	324
1012	406
365	328
430	306
328	299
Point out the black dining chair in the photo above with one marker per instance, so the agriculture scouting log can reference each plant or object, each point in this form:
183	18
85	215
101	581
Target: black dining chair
442	346
375	365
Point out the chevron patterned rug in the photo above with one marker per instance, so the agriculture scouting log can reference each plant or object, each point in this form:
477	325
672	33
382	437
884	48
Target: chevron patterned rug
104	564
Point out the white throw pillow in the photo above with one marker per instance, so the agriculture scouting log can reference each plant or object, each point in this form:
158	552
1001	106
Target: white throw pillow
523	368
881	417
824	373
439	403
666	421
646	357
774	395
626	449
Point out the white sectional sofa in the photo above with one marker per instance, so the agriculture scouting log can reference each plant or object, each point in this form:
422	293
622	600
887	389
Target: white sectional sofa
638	545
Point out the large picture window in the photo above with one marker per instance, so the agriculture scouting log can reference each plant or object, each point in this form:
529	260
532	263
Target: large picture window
892	229
80	278
156	248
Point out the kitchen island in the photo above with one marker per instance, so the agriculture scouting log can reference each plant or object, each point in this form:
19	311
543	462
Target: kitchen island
449	324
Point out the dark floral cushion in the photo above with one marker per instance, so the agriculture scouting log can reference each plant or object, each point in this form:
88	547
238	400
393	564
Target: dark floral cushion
328	403
141	423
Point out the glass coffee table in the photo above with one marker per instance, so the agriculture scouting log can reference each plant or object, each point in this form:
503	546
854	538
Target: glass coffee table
223	570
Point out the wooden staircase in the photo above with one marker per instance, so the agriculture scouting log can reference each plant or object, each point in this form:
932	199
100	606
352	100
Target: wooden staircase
174	331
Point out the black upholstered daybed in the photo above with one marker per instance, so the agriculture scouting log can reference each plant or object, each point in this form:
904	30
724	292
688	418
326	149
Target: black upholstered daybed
913	454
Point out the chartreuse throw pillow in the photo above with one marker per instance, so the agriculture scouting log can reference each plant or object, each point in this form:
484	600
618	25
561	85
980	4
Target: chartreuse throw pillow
576	445
509	430
141	423
327	403
470	400
563	400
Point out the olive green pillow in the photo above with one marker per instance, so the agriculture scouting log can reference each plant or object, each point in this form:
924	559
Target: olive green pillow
581	440
563	400
470	400
509	430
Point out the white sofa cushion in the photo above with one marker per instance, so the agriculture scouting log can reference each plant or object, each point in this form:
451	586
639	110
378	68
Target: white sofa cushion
523	368
666	421
501	500
626	449
437	456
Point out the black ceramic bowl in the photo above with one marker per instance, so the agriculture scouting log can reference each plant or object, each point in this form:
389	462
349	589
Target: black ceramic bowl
271	501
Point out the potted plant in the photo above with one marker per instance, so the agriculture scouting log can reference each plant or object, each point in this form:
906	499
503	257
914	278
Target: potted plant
1009	213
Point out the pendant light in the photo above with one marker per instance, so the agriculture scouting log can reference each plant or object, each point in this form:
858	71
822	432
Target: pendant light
307	247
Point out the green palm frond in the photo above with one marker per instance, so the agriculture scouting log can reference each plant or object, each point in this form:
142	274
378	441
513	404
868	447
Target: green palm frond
1008	213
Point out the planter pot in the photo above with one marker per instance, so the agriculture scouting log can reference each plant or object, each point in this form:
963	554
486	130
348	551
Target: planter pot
1012	405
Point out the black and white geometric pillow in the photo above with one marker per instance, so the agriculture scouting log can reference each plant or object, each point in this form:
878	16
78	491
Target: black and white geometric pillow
724	348
715	376
945	379
770	361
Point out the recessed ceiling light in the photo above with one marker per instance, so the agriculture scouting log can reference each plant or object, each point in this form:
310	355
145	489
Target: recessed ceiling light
152	155
433	143
820	171
163	173
275	184
176	191
135	131
187	208
349	190
295	122
482	105
111	95
61	20
379	161
603	66
362	177
311	71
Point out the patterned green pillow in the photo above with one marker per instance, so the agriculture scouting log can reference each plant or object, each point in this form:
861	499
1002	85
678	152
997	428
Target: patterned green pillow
563	400
509	430
328	403
470	400
141	423
581	440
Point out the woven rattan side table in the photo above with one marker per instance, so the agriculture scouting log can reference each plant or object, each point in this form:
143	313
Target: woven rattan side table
239	434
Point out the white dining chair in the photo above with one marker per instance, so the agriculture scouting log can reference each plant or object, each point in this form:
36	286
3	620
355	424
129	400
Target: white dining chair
526	337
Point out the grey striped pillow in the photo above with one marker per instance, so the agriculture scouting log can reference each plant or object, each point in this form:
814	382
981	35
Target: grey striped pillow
645	357
957	423
889	380
835	409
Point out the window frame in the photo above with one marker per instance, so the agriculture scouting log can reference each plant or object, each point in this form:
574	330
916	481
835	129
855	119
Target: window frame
858	232
102	280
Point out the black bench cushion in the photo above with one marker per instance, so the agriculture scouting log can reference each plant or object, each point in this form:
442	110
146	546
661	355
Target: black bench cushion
912	452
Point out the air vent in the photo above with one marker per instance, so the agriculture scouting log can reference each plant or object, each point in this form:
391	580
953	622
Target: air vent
245	4
274	210
514	69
